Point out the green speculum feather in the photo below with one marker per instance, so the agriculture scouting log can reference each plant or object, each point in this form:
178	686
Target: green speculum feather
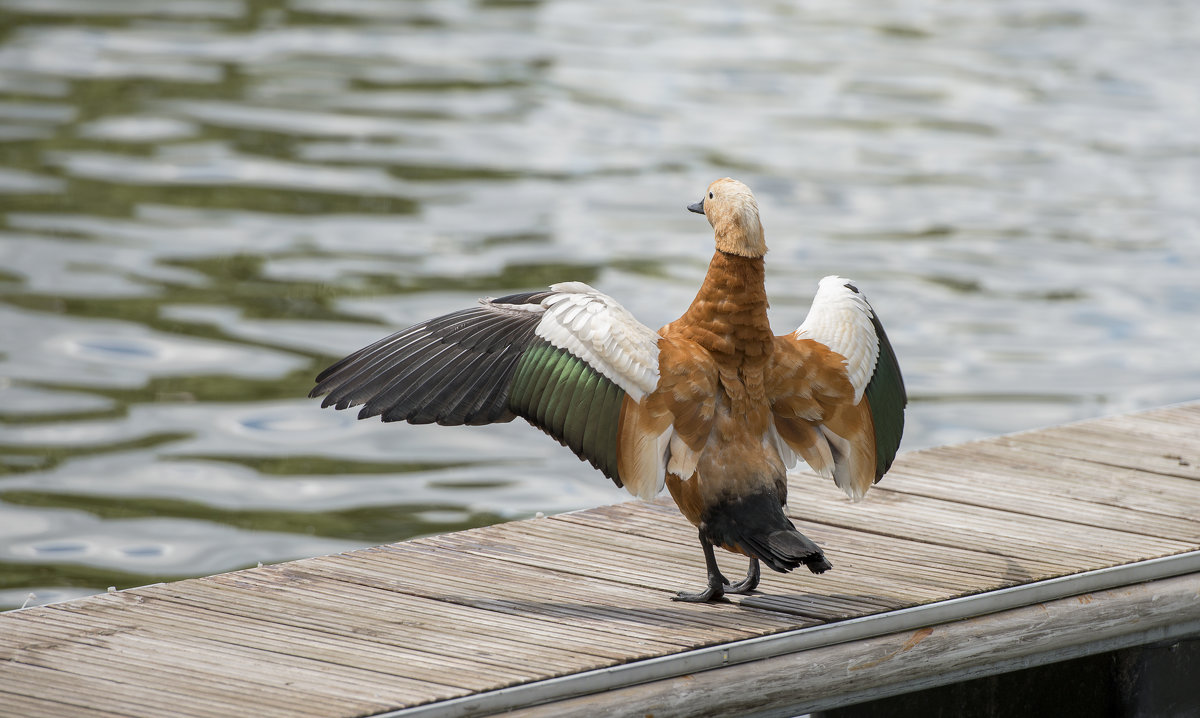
568	399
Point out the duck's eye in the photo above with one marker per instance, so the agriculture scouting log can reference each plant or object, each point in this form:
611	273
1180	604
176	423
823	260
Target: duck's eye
710	195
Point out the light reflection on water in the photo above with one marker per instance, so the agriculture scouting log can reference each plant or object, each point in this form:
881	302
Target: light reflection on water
204	202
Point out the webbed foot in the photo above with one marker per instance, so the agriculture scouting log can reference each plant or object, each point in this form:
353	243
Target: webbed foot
714	592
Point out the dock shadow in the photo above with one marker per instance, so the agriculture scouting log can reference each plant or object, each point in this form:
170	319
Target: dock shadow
809	608
823	607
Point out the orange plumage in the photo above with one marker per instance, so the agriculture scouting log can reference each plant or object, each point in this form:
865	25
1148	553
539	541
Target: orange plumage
714	406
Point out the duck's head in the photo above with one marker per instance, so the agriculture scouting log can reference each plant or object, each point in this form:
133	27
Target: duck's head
733	214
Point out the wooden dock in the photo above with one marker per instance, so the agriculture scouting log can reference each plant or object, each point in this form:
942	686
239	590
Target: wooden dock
965	561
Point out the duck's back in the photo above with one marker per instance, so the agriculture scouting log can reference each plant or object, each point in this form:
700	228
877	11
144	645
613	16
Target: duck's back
739	462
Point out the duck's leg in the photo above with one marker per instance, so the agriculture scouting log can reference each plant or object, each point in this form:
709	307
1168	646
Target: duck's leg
716	582
747	584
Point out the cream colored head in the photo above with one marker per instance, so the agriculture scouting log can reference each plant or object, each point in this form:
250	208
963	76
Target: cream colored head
733	214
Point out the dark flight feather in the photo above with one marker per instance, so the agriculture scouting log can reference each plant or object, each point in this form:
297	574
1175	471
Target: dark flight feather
887	398
479	366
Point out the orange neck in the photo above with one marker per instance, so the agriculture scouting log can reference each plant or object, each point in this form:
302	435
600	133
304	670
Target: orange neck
728	317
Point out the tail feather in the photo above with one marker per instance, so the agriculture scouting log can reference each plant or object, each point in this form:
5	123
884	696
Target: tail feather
754	524
785	550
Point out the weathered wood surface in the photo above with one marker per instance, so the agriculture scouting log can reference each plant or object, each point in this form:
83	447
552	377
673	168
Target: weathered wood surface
370	631
832	676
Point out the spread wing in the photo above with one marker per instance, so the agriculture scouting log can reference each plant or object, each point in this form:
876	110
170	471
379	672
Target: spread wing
837	393
570	360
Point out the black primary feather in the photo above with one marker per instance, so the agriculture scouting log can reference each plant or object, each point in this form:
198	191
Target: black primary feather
421	374
479	366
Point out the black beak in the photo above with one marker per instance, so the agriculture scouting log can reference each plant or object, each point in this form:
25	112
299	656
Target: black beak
698	208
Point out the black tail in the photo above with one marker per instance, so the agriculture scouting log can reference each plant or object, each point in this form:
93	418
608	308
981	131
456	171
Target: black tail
757	525
786	549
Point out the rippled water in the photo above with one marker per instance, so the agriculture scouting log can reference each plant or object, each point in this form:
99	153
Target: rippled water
205	201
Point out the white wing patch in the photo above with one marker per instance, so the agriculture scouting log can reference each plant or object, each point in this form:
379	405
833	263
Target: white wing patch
840	318
594	327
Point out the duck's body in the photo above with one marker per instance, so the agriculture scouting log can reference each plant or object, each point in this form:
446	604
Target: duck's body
714	405
735	495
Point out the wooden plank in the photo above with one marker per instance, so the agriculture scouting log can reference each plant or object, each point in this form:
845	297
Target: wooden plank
953	563
234	671
588	585
1170	425
108	694
679	550
1016	470
181	638
982	528
1026	499
1151	454
424	656
822	678
185	681
582	551
560	612
233	674
14	703
621	610
403	667
389	618
885	558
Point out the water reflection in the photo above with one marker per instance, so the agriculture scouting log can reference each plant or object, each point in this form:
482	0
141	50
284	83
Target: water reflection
203	202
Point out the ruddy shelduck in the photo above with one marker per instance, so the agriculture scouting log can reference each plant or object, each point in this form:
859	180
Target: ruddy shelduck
714	406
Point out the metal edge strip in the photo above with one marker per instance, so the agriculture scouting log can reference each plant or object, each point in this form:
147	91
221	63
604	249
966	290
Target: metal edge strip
753	649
